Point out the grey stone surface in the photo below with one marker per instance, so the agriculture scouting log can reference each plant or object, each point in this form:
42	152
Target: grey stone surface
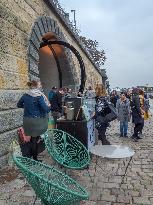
36	6
34	52
57	29
49	23
19	37
4	161
9	46
8	62
10	119
41	28
33	65
53	23
32	76
5	141
35	39
24	11
44	23
37	31
13	19
9	98
106	188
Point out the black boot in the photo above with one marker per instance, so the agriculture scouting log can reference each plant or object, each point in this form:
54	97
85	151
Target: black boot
105	142
102	136
135	138
34	147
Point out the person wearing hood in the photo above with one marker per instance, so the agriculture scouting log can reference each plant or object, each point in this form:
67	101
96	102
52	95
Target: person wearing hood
35	119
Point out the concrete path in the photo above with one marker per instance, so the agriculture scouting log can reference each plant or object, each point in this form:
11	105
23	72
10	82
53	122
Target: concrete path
106	189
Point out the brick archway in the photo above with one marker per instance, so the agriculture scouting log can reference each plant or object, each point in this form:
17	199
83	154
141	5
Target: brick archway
42	26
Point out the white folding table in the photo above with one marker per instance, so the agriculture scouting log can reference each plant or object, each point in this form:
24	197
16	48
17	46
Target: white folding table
113	152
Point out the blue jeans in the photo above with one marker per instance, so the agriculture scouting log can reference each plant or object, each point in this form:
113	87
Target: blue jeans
123	127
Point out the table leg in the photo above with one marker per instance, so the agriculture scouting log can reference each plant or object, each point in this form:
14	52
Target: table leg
96	163
126	170
103	169
89	174
35	200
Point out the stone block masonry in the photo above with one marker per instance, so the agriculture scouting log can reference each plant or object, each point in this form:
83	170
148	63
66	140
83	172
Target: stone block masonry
22	24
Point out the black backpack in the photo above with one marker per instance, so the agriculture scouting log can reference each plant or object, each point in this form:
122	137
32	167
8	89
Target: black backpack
113	113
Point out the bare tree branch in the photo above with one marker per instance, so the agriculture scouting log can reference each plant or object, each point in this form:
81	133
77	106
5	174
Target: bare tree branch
91	46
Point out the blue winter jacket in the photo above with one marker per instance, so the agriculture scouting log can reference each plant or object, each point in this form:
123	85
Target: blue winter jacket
33	106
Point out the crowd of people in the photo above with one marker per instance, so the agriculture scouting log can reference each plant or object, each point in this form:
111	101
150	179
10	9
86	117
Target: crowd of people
131	105
122	106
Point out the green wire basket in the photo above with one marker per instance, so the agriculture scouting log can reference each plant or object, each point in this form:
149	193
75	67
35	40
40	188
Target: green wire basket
66	150
50	185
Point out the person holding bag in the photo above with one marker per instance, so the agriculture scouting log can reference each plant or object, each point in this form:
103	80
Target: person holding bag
35	120
101	111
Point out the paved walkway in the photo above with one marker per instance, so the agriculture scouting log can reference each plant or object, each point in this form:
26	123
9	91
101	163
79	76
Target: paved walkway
137	188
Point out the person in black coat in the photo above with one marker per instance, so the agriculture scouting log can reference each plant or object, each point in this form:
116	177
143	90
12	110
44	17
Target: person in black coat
137	113
114	97
57	104
101	110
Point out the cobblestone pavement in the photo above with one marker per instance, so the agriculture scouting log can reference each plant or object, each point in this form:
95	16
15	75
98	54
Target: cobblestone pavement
106	189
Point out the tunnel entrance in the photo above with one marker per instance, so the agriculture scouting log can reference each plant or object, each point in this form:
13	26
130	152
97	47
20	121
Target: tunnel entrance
51	44
54	67
51	57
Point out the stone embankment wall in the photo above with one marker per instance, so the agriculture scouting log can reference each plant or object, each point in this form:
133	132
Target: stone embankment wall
17	20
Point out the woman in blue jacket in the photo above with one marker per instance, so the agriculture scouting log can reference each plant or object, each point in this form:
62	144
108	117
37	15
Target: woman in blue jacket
35	119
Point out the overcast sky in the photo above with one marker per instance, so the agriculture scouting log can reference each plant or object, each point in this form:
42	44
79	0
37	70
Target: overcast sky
124	29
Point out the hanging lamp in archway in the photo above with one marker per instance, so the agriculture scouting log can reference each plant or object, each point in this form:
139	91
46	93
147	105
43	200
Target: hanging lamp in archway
46	42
